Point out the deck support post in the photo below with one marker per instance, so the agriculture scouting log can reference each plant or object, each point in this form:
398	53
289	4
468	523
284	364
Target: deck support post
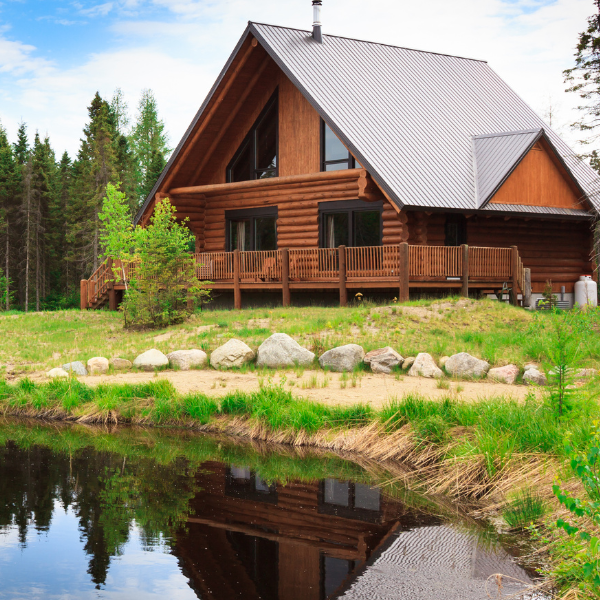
464	291
514	267
285	276
403	273
237	291
83	294
527	290
342	271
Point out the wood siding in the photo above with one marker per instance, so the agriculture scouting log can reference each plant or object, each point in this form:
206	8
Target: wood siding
539	180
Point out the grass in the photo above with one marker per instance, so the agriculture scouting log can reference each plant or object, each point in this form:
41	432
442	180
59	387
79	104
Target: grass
526	508
494	331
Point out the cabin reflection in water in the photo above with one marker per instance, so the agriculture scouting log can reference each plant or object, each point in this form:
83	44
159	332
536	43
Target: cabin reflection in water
248	539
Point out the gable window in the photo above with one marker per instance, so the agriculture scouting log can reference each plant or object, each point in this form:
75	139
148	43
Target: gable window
256	158
350	223
349	500
455	230
334	155
251	229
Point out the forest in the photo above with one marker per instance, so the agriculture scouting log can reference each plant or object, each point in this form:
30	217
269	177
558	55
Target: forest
49	206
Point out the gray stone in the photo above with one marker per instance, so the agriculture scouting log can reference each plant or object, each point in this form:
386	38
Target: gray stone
57	373
234	353
151	360
98	365
383	360
534	377
280	350
443	361
583	374
465	365
77	367
424	366
342	358
408	363
507	374
120	364
184	360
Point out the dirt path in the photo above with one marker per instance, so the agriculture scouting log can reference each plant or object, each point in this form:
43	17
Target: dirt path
331	388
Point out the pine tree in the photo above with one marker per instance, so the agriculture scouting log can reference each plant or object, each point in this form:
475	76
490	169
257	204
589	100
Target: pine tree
7	206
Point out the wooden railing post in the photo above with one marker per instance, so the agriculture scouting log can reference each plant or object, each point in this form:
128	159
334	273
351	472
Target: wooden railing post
342	270
464	292
403	273
285	276
237	291
83	294
527	290
514	272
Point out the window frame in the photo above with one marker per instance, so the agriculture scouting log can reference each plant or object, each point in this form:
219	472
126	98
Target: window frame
460	222
250	138
350	511
350	161
251	214
350	207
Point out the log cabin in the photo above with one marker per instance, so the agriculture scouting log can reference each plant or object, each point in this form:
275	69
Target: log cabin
321	163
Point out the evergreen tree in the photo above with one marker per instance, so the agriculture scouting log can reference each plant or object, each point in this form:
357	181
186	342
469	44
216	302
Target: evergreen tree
8	181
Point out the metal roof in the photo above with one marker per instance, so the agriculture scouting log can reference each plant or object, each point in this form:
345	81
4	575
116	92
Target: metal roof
408	116
538	210
496	155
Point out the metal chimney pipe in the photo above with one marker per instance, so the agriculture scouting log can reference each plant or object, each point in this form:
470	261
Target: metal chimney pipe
318	37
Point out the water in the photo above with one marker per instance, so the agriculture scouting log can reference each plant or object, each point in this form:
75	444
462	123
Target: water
133	514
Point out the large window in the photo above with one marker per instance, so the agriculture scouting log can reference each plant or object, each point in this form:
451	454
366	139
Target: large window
350	223
455	230
334	155
256	158
350	500
251	229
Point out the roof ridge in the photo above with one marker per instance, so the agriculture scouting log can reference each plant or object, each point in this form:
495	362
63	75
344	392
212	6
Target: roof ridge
345	37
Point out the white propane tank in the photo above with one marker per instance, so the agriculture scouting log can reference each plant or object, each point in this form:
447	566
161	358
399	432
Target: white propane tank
586	292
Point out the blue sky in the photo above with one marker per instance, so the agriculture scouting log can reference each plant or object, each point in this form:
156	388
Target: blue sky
55	54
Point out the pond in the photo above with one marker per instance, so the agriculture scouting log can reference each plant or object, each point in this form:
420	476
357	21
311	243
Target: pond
138	514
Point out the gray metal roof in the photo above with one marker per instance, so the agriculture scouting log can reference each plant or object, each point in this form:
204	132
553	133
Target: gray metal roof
538	210
409	116
496	155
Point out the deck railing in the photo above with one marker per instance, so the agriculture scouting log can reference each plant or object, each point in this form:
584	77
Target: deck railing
425	264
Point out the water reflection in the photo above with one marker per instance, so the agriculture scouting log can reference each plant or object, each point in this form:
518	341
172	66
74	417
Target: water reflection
94	522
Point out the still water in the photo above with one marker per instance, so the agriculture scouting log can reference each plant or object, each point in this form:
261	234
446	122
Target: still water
135	514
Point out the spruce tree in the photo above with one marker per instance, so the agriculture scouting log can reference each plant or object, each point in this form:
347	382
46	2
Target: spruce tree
8	181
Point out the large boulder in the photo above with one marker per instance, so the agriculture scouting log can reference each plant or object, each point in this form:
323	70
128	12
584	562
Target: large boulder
233	353
57	373
98	365
184	360
342	358
534	377
76	367
151	360
465	365
424	366
120	364
383	360
507	374
280	350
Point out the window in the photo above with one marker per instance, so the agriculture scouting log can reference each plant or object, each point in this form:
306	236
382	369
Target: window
350	500
241	482
334	155
251	229
256	158
334	571
455	230
350	223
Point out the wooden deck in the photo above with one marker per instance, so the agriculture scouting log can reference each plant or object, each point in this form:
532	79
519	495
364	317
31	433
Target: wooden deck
399	267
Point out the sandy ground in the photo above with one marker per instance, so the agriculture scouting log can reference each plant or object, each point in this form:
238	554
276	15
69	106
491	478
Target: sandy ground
373	389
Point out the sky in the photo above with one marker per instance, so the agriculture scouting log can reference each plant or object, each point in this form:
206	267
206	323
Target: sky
55	54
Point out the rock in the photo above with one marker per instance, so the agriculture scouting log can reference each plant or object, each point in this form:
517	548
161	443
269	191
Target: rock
97	365
583	374
530	365
408	363
120	364
234	353
57	373
77	367
280	350
383	360
534	377
184	360
56	355
465	365
443	361
424	366
507	374
342	358
151	360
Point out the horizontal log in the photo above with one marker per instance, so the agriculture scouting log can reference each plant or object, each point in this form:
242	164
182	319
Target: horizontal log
298	214
314	220
308	229
282	239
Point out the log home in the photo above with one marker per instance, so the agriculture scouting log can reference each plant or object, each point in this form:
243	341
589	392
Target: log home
320	162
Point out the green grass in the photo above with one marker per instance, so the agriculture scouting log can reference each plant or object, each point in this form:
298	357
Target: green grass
494	331
525	509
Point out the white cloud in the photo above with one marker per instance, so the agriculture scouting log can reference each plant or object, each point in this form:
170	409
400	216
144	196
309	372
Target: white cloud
97	10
